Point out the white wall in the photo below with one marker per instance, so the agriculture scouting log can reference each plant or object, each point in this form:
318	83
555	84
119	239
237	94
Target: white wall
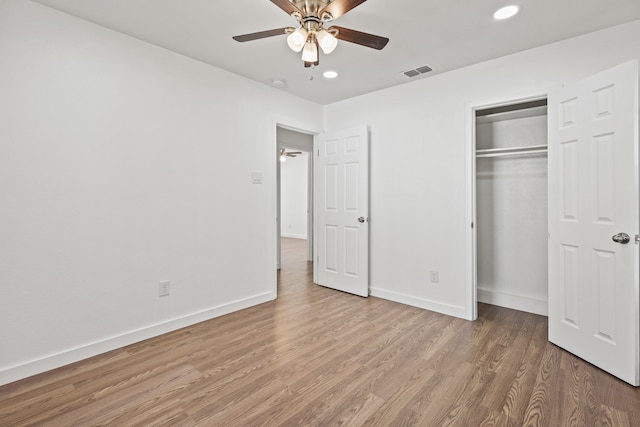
114	175
420	214
294	185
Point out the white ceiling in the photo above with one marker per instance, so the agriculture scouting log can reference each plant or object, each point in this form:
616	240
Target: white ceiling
443	34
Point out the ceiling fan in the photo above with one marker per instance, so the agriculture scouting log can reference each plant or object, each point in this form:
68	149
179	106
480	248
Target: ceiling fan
284	154
310	34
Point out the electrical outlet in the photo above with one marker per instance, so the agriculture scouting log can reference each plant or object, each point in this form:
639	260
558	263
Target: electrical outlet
435	276
164	288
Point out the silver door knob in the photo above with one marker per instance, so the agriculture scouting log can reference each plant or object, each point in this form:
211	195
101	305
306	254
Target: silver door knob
361	220
622	238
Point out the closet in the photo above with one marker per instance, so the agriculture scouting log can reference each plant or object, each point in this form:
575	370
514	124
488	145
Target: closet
511	206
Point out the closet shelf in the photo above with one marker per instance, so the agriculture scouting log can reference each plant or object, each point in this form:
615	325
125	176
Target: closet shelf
511	151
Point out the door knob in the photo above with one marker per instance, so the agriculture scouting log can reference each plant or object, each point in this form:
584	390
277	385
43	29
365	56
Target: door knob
361	220
622	238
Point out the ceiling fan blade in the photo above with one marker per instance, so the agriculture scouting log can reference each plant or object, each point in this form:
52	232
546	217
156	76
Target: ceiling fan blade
262	34
287	6
358	37
340	7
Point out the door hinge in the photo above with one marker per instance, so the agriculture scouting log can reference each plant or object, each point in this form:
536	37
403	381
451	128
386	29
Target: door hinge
637	239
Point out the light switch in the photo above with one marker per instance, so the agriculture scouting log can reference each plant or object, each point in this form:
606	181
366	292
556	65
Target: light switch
256	177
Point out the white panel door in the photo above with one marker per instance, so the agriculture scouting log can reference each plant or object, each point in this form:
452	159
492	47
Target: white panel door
342	191
593	196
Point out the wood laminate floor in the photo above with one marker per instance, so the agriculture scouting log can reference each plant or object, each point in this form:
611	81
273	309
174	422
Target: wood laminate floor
318	357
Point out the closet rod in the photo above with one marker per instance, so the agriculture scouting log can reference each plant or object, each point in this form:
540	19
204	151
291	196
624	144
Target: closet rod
511	151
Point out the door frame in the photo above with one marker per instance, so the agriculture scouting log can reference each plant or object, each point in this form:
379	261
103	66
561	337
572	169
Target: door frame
304	128
471	303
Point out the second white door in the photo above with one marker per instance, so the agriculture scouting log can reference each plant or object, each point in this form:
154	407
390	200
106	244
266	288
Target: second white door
342	202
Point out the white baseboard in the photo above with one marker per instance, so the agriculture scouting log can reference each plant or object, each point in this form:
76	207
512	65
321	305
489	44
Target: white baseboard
53	361
515	302
294	236
450	310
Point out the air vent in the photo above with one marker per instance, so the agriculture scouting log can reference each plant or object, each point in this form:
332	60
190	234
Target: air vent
420	70
423	69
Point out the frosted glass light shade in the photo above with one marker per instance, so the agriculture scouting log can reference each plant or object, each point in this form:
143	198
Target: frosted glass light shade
297	39
310	52
326	41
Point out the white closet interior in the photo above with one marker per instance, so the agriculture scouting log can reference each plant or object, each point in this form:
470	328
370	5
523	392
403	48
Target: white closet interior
511	206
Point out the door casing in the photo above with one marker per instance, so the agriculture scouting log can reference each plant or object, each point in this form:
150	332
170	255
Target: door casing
304	128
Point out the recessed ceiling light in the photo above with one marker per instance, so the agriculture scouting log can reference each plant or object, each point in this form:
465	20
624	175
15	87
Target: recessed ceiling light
506	12
279	84
330	74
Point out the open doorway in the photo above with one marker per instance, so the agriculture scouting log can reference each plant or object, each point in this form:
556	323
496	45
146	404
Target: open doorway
295	196
509	147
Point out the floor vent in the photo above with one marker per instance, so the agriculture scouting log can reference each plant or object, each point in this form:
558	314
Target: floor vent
420	70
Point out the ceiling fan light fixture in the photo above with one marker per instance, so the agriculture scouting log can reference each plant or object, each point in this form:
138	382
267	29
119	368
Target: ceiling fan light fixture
310	51
311	36
297	39
327	41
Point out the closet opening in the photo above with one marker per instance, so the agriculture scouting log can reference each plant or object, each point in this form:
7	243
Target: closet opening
511	206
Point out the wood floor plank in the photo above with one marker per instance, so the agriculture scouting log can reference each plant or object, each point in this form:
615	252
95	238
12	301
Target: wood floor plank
356	415
511	392
612	417
445	401
99	409
396	409
541	402
316	356
155	412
